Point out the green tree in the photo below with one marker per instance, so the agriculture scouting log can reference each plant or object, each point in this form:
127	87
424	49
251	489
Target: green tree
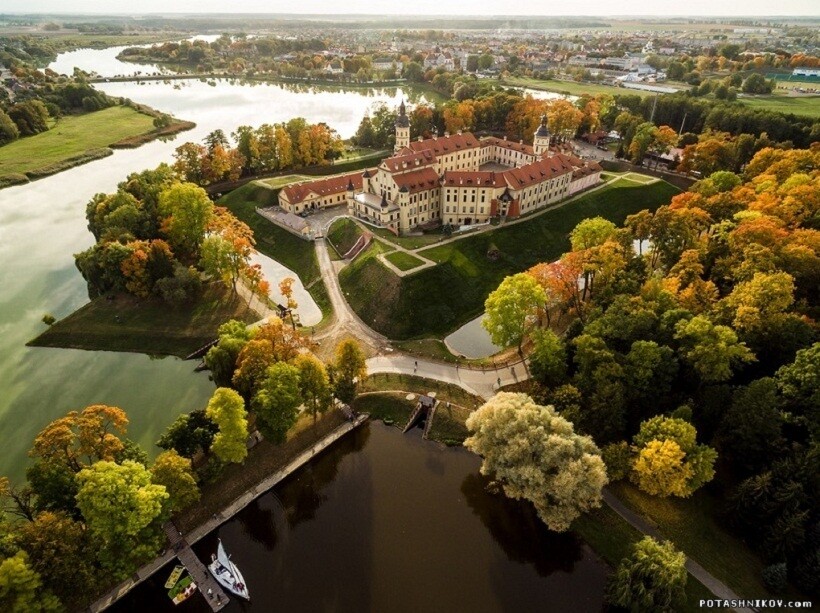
512	309
186	210
314	384
8	129
227	410
652	579
799	385
535	454
189	434
175	473
121	506
21	588
751	430
591	232
712	350
350	367
277	401
548	358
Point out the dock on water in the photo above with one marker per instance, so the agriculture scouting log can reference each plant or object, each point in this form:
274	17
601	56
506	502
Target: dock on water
208	586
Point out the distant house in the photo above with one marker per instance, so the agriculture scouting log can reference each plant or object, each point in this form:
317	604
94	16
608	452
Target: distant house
806	72
386	63
334	67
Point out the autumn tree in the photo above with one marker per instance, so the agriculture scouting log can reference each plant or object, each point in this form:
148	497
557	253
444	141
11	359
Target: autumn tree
277	401
535	454
252	365
669	461
175	473
652	578
227	410
189	434
314	384
548	358
512	310
120	506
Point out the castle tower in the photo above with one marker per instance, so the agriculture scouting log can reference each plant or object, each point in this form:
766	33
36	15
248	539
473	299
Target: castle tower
541	141
402	128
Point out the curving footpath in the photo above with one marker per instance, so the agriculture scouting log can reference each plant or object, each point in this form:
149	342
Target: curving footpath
483	383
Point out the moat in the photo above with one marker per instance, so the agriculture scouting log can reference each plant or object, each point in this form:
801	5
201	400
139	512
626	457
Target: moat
389	522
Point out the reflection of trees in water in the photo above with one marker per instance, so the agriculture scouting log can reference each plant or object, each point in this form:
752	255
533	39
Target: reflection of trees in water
515	526
258	521
302	496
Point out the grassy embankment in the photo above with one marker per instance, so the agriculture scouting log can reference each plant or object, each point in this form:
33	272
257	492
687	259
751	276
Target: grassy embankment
808	106
342	235
403	260
77	139
437	300
147	326
293	252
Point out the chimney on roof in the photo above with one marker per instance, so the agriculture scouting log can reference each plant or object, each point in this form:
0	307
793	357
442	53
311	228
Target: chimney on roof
435	133
521	142
505	137
446	134
459	132
421	138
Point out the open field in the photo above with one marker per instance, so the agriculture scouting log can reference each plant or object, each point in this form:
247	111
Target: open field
147	326
72	136
439	299
570	87
403	260
295	253
278	182
446	392
799	105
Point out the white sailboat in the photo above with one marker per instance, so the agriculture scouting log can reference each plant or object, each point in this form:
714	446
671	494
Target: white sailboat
228	575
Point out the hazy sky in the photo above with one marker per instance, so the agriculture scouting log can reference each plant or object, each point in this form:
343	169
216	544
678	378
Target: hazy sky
426	7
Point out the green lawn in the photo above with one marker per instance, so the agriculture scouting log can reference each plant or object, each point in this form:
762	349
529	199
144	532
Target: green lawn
343	234
570	87
437	300
391	408
297	254
403	260
446	392
277	182
449	424
72	136
803	105
147	326
408	242
690	523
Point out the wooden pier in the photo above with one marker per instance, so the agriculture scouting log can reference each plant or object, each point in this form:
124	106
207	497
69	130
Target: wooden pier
208	586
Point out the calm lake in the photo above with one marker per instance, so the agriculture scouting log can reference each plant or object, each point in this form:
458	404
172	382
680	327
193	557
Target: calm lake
389	522
42	224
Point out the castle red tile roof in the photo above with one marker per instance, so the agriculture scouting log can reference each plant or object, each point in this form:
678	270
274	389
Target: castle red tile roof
473	178
541	170
445	145
508	144
417	180
408	159
297	192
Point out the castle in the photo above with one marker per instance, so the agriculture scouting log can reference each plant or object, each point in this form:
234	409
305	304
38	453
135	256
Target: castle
455	179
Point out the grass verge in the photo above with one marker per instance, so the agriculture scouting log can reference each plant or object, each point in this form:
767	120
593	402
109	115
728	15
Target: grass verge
146	326
403	260
446	392
690	524
295	253
343	234
437	300
449	424
392	408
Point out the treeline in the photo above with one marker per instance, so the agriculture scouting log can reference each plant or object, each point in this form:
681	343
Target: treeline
93	507
293	144
697	321
159	237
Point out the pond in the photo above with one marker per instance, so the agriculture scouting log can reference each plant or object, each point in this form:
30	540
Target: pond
42	224
389	522
472	341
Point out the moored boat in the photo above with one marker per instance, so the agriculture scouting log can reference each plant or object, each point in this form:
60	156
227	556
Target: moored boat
227	573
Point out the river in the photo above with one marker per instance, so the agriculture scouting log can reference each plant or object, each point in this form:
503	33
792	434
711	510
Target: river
389	522
42	224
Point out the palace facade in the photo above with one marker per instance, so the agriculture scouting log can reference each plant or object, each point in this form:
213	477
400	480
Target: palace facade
455	179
